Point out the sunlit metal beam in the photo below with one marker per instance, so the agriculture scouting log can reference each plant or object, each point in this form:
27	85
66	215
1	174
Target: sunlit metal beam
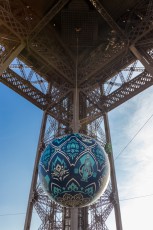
7	62
119	96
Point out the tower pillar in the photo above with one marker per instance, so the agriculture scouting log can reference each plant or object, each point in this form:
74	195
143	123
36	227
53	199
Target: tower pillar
113	174
35	173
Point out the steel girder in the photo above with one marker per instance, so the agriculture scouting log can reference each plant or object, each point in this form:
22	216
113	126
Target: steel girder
99	104
39	45
106	16
14	52
24	88
90	69
7	18
43	101
145	25
58	102
101	210
119	96
98	59
49	212
52	56
47	18
107	57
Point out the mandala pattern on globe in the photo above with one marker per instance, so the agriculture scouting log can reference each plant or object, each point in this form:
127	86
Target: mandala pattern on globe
74	170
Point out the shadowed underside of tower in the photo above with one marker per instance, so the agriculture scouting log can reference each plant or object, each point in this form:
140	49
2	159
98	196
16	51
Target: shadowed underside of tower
76	60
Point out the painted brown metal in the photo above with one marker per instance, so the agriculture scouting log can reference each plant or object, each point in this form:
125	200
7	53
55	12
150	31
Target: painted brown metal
113	37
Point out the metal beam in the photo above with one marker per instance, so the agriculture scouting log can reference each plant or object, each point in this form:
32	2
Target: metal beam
98	59
12	56
70	56
60	114
111	69
24	88
41	67
143	27
100	210
74	218
75	121
113	174
106	16
51	52
51	55
61	97
143	60
119	96
32	94
35	174
101	57
128	90
47	18
49	212
7	19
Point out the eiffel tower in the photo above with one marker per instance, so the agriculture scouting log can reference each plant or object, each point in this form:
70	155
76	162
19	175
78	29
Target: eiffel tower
56	52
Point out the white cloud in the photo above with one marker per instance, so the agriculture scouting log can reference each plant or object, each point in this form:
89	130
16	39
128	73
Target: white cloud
134	167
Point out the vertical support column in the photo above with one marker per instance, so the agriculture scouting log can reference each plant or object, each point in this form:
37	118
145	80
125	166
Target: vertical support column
113	174
75	121
66	218
84	217
35	173
76	127
74	218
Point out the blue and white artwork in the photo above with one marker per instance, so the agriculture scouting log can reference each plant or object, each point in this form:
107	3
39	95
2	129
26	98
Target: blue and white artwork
74	170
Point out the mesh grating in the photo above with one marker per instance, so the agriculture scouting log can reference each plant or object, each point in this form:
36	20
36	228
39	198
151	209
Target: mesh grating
86	22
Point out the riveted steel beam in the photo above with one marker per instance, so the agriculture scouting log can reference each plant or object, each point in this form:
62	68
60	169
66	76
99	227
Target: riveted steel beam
7	19
98	59
24	88
106	16
12	56
119	96
143	60
48	17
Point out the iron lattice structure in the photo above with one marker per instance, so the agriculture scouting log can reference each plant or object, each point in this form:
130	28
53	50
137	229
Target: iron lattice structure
114	63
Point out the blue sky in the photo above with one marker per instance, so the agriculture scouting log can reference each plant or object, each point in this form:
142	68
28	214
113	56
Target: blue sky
19	130
134	167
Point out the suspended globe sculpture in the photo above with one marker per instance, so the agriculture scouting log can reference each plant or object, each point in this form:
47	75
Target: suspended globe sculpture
74	170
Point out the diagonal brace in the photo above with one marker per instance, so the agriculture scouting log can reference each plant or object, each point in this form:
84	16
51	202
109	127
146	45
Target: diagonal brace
48	17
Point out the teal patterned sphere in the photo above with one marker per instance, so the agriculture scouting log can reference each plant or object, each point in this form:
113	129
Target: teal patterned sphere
74	170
